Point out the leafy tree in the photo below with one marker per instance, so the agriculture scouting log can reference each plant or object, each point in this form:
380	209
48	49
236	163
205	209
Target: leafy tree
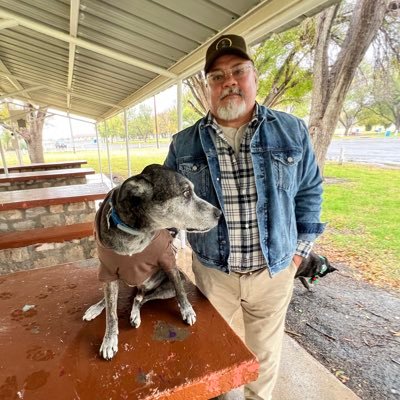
168	121
284	66
141	122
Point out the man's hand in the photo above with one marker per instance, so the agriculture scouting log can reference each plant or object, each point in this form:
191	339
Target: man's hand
297	260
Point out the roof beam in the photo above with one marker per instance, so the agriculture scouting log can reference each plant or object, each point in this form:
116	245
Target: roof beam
31	89
8	23
268	16
46	30
60	91
73	31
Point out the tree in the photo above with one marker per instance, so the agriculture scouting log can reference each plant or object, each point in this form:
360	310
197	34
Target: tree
30	129
141	121
284	66
357	99
334	68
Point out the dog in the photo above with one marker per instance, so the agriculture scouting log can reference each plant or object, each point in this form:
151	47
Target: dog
135	246
313	267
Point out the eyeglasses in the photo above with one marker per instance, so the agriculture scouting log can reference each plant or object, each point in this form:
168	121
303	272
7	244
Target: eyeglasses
238	72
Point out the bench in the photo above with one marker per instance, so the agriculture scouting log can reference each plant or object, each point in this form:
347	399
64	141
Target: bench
40	197
49	352
53	234
34	179
47	226
44	166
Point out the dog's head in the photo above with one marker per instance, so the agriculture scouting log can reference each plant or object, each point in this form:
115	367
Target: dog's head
160	198
314	266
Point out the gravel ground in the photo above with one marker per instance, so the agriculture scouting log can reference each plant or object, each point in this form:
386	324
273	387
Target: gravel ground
353	329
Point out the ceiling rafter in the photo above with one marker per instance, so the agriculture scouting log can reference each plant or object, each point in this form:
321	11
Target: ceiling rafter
46	30
73	31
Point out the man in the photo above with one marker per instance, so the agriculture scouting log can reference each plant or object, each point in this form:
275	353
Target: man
258	167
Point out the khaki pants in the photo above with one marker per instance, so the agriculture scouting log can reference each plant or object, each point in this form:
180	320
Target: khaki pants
264	302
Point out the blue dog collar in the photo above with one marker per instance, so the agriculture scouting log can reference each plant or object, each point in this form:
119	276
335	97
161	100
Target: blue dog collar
114	217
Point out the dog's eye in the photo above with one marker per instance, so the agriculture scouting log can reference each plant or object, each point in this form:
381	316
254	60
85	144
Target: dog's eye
187	194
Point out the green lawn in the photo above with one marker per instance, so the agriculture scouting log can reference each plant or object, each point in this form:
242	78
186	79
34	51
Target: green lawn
361	206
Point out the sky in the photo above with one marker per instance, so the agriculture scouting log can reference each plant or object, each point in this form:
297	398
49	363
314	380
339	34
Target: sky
57	126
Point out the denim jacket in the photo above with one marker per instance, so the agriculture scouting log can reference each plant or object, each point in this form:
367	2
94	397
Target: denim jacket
288	182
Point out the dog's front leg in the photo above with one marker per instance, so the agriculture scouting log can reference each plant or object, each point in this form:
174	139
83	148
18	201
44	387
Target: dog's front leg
109	347
305	283
186	308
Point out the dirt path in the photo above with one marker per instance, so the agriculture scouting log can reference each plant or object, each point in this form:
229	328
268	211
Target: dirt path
353	329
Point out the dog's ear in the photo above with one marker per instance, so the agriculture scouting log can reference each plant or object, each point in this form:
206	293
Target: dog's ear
137	186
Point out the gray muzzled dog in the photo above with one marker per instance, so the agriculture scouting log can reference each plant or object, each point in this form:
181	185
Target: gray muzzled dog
130	226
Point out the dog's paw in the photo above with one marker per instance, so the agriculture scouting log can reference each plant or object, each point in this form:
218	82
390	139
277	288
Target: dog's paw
135	318
93	311
109	347
188	314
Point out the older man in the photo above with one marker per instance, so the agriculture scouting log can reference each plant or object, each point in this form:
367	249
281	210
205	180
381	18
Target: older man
258	167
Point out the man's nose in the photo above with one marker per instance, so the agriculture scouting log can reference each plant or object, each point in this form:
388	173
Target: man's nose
229	80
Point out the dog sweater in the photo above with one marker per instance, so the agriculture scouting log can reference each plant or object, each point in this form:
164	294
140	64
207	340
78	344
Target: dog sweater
135	269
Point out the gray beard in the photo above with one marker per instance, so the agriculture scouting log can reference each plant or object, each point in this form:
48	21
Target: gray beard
231	111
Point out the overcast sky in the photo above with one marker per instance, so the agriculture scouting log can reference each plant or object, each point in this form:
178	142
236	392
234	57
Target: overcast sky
57	127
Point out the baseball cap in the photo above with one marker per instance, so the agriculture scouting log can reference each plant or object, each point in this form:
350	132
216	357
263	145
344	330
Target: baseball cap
226	44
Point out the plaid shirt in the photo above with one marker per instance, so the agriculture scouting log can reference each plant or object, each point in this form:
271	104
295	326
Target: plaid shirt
240	198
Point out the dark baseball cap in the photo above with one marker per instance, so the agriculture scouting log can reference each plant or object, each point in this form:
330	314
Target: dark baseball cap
226	44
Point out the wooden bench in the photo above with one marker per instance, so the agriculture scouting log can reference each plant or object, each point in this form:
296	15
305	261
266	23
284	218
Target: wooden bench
48	352
53	234
32	179
46	226
44	166
39	197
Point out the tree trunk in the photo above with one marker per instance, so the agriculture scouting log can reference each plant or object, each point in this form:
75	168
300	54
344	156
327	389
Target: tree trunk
331	84
35	134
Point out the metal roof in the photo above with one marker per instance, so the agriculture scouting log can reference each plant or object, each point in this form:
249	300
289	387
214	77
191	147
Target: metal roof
95	57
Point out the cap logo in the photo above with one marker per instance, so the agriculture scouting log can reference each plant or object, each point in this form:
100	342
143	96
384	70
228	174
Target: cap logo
225	42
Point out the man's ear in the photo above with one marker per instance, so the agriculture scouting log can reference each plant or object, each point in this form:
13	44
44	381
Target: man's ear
136	186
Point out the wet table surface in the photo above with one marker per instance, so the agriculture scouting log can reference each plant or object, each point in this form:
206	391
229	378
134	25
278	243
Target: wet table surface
48	352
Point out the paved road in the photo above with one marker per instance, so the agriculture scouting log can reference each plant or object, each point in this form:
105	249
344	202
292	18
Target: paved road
374	151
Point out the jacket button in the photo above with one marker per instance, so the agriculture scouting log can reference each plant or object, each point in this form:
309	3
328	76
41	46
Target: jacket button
194	168
290	159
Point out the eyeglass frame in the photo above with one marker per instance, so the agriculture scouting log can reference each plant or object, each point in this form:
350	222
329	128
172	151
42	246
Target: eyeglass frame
227	73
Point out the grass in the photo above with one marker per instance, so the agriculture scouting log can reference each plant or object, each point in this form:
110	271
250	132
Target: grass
361	206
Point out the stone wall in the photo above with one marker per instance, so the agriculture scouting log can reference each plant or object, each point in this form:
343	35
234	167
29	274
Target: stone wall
40	183
47	216
46	254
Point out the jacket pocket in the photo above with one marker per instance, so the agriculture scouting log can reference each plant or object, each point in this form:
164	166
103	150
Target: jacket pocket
197	171
285	167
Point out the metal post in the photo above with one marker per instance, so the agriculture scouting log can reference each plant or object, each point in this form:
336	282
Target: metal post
71	133
179	105
108	154
155	120
182	234
3	157
128	158
98	153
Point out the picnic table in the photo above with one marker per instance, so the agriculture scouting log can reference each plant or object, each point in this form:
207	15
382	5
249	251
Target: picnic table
48	352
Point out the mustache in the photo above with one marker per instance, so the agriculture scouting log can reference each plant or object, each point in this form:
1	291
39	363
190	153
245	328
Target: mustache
231	90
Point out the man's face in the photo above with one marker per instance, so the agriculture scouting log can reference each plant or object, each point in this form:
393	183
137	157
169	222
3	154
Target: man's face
232	93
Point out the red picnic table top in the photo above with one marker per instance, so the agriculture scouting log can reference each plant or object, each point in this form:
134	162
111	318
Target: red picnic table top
48	352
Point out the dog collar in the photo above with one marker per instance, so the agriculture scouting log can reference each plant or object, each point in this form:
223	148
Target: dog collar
324	267
114	217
